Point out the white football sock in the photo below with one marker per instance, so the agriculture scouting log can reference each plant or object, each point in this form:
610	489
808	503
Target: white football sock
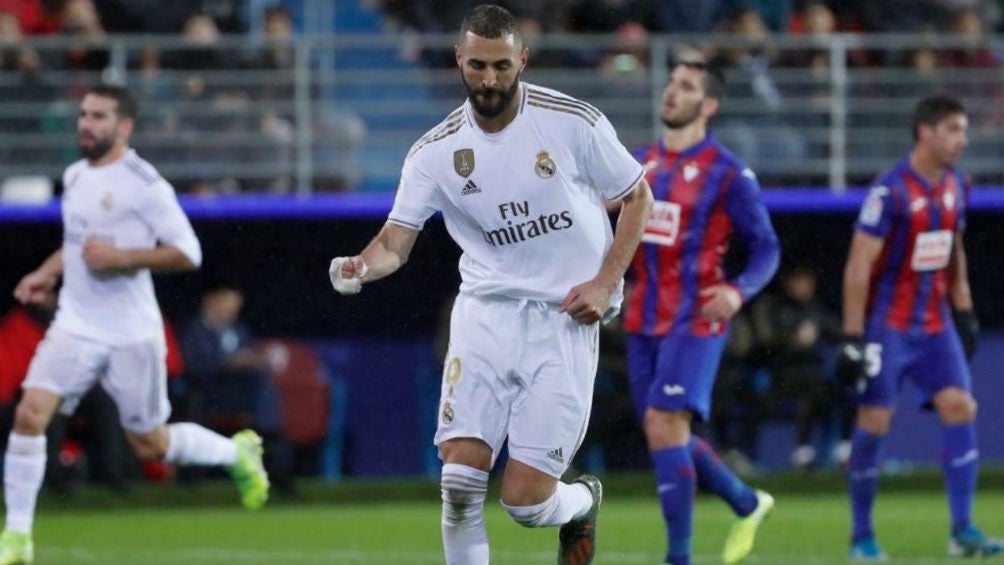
24	470
191	444
567	503
465	539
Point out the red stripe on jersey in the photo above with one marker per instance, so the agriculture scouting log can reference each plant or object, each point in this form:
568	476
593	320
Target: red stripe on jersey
713	248
907	280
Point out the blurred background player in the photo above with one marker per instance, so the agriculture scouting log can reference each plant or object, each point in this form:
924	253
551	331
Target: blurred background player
520	174
121	221
681	303
905	277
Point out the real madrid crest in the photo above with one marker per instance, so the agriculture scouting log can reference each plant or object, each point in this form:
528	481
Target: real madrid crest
447	413
106	201
463	162
545	166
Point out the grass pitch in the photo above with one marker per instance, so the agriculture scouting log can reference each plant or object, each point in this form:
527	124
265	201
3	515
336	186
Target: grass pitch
805	529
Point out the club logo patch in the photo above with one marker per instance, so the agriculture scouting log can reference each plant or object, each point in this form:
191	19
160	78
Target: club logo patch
545	166
452	374
463	162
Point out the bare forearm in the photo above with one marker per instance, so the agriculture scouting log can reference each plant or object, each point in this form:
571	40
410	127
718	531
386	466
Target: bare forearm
53	265
958	281
388	251
856	279
635	211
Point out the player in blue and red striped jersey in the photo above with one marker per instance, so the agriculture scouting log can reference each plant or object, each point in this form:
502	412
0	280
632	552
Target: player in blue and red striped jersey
681	303
905	275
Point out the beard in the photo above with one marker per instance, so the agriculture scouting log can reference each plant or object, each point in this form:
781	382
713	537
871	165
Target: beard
98	149
490	102
683	121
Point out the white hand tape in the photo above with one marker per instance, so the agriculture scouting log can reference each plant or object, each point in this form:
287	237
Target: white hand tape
342	285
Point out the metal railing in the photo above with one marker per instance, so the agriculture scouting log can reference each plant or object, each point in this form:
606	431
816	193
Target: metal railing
341	112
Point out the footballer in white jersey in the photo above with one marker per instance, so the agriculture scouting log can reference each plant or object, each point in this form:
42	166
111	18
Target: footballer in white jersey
120	221
521	174
524	204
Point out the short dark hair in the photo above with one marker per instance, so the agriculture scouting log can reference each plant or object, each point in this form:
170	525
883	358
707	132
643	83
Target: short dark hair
490	21
126	104
931	110
714	76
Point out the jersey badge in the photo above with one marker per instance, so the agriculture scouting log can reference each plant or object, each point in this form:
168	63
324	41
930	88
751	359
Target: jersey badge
452	375
949	200
463	162
106	201
545	166
447	413
690	171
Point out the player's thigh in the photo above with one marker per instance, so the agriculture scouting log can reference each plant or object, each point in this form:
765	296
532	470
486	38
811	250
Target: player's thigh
888	355
642	352
558	369
685	373
476	392
67	365
941	363
137	380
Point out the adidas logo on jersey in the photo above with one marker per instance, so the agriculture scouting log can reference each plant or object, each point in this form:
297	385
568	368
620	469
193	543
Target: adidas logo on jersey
469	188
556	455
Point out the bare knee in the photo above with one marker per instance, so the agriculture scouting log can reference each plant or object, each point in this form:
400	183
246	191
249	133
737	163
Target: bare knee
875	420
150	446
955	406
31	418
523	485
666	429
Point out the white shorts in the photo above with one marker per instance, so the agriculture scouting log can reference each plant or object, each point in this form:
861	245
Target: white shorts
520	369
134	375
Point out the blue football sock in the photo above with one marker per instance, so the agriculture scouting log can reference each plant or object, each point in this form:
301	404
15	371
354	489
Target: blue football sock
863	481
714	476
676	485
960	462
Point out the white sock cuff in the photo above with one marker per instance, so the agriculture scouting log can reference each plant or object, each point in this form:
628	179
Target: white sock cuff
536	515
463	478
18	444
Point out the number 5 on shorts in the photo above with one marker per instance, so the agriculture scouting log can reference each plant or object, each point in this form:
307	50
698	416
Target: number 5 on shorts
873	359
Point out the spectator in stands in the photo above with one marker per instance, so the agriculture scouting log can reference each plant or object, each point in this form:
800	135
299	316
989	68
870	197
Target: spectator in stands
227	379
761	134
975	54
791	325
80	20
35	17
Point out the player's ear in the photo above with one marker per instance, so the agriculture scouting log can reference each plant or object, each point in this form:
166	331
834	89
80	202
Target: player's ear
711	106
459	54
126	127
524	56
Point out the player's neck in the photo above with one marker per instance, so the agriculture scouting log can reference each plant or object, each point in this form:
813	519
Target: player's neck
679	140
499	122
925	164
114	154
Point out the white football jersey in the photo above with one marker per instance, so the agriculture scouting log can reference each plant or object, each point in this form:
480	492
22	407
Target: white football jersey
524	204
128	204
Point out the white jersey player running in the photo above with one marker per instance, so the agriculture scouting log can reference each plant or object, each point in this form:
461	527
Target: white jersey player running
520	174
120	221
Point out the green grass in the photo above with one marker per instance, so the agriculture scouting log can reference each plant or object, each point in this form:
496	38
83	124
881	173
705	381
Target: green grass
806	529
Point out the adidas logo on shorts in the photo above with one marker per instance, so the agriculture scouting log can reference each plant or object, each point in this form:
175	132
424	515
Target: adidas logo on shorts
556	455
469	188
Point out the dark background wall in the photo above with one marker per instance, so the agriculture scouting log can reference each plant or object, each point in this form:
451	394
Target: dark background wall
282	265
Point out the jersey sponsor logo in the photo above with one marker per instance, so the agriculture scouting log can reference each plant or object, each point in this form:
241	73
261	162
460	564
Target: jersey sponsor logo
545	167
463	162
871	212
932	250
470	188
673	390
520	225
663	225
690	172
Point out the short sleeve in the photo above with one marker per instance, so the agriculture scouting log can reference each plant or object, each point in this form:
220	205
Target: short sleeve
162	212
876	213
416	199
611	168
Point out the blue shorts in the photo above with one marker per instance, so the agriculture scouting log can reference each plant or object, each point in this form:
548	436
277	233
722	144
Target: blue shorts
931	361
674	372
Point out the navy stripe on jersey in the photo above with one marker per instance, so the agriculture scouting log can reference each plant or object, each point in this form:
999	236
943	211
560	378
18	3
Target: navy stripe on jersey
549	98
